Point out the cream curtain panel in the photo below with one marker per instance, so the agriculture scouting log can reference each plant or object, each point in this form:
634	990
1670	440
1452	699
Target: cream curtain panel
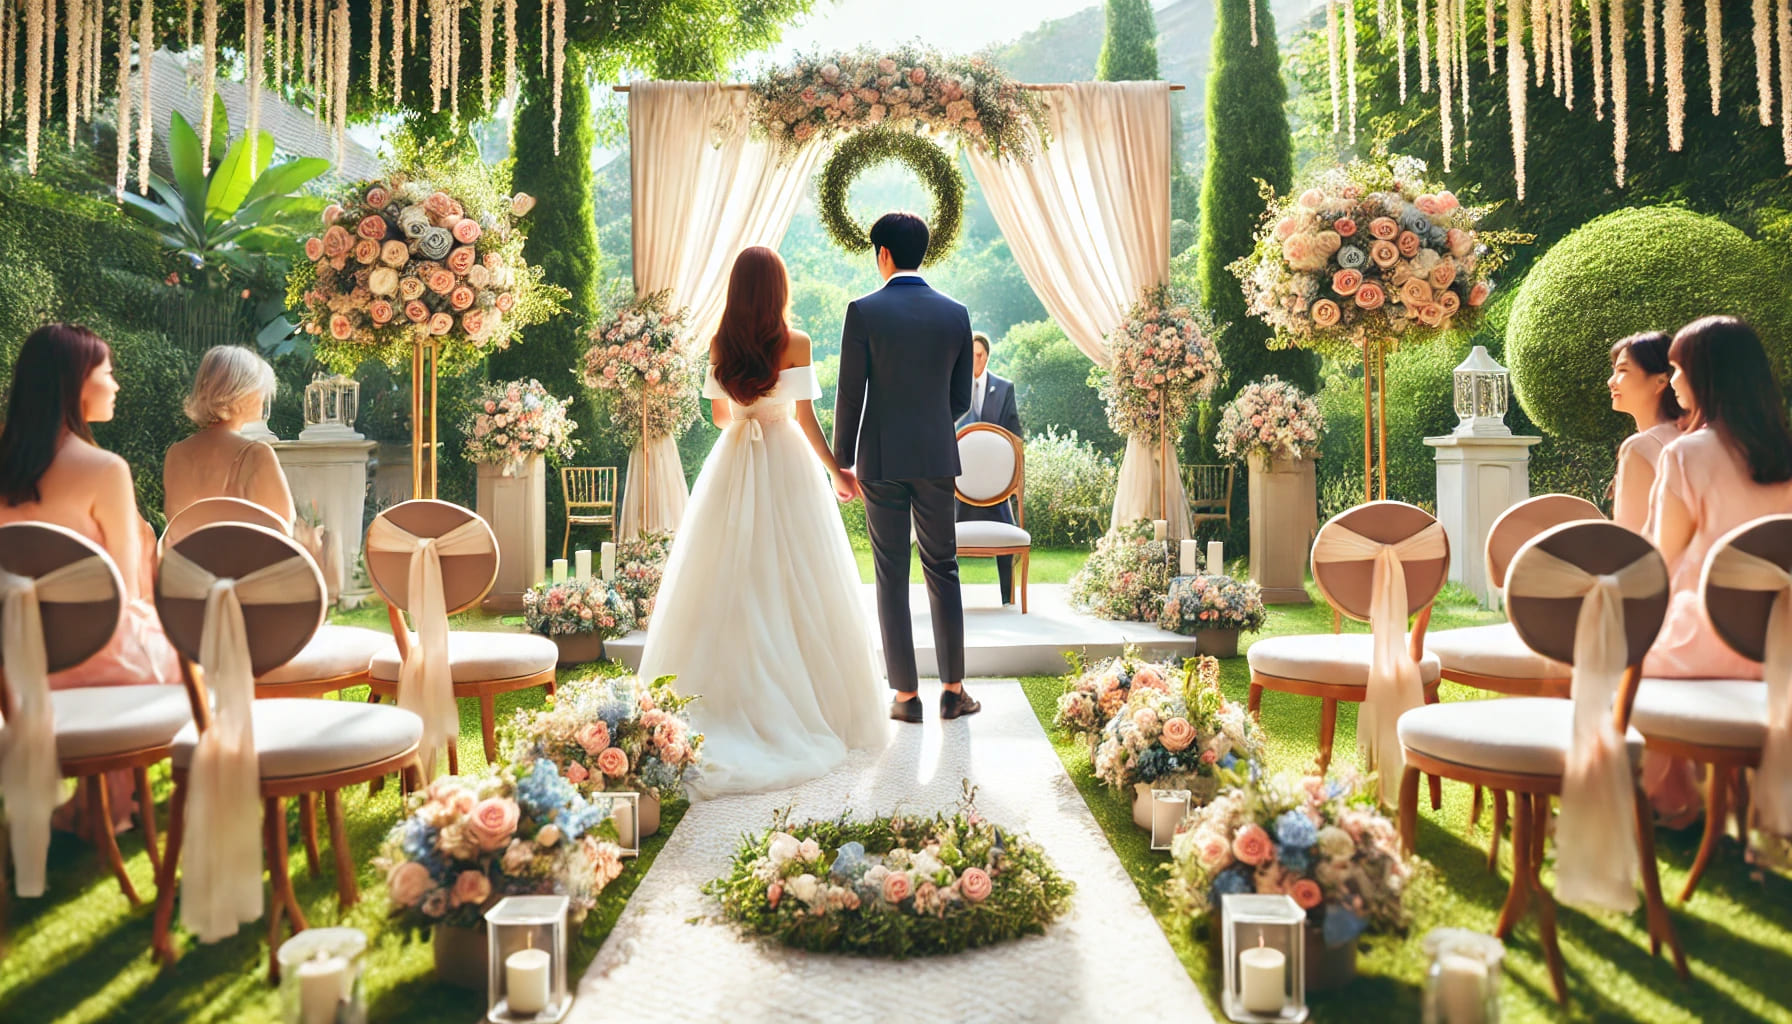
704	189
1088	219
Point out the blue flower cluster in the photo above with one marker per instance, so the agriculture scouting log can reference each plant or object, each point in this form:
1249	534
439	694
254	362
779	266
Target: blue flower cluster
1295	836
1341	925
1233	881
849	863
1156	763
546	796
419	844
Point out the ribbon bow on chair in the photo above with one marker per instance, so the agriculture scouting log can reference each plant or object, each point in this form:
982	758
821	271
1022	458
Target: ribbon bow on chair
1395	686
1737	569
30	772
221	868
425	680
1596	857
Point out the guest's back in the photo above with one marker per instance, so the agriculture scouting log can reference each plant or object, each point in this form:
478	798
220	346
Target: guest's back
231	389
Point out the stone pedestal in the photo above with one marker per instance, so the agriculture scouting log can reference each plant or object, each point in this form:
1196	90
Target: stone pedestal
1284	512
1478	477
331	475
516	506
392	476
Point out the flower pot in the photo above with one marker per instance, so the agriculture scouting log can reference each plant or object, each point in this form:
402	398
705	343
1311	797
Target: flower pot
578	648
1328	967
1220	643
514	500
1284	513
1141	805
460	956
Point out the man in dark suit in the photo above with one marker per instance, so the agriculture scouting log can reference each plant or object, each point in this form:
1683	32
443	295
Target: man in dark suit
992	401
905	379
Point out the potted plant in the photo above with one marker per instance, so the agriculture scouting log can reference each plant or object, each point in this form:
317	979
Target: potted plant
1274	429
578	615
1213	609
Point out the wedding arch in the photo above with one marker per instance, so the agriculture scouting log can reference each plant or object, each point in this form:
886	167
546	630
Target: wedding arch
1084	205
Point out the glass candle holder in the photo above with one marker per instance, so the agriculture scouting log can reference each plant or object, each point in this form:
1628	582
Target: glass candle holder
1463	984
625	811
1264	940
526	960
320	977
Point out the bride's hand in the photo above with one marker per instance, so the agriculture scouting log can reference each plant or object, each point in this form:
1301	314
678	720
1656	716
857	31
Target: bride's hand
846	485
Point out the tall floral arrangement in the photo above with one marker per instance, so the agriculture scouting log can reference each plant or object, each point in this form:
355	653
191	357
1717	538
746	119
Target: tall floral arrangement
1165	360
640	566
515	421
1189	733
1126	577
641	367
1271	419
818	97
613	734
1095	693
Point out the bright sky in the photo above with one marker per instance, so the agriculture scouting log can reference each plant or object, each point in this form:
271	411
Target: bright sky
956	26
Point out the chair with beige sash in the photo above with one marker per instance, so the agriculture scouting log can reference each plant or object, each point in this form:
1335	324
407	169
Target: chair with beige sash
1592	595
432	559
1732	725
236	601
1379	563
60	601
994	469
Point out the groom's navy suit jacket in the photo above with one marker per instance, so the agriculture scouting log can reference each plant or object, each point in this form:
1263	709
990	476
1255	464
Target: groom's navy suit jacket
905	379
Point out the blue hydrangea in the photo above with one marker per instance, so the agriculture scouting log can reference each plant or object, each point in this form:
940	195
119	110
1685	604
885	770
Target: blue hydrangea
418	840
1295	829
1231	882
1294	858
657	774
583	816
1413	220
543	792
1154	763
1341	925
849	863
1229	760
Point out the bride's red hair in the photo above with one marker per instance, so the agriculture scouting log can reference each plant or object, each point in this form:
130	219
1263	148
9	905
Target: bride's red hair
749	342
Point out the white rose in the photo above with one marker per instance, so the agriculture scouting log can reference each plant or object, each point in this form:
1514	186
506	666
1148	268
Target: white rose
783	848
383	281
804	887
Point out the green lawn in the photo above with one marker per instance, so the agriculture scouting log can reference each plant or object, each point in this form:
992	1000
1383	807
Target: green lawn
1048	565
1737	929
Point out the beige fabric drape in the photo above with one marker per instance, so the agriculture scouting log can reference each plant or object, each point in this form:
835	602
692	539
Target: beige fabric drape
1732	567
1088	219
703	191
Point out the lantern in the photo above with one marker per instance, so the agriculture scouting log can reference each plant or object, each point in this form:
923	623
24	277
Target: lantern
1463	983
1264	939
320	977
526	960
331	404
1482	390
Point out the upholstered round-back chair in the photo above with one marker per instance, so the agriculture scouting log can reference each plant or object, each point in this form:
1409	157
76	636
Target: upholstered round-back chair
207	511
993	469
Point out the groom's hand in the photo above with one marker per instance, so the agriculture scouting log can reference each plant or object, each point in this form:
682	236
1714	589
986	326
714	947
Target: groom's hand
846	485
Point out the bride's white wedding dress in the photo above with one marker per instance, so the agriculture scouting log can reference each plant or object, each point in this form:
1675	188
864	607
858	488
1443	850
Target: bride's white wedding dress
759	611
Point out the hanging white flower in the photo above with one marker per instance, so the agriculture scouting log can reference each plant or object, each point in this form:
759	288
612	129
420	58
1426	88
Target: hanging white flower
252	71
559	65
145	127
124	95
208	84
1785	34
488	17
1424	47
1714	51
1540	52
1517	79
1565	46
1620	93
1596	30
510	50
374	56
1350	63
34	78
1488	28
1763	38
1400	42
1253	22
1444	52
1331	49
1673	30
73	23
397	51
9	46
1648	42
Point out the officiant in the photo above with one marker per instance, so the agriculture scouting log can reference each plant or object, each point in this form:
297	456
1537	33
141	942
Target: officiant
992	401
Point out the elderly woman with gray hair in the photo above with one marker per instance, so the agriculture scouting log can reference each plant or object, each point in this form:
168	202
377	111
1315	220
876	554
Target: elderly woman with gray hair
232	390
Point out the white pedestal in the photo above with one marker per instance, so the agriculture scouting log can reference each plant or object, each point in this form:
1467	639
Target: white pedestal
331	475
516	506
1477	479
1284	512
392	477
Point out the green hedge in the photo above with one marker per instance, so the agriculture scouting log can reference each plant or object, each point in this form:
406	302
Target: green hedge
1051	384
1639	269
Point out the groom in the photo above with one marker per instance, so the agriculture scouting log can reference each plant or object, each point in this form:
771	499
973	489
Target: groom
905	365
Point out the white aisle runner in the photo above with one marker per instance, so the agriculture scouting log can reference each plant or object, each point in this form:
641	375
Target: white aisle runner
1105	960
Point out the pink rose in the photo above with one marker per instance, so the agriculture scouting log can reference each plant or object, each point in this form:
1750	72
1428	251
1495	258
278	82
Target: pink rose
1383	254
1208	756
975	885
380	310
1370	296
918	76
1150	679
314	249
410	288
461	259
471	889
576	773
774	893
1443	274
372	226
1252	845
1460	242
337	241
1415	292
1328	242
378	197
407	883
1178	734
1430	314
1312	199
593	738
461	298
1384	228
467	230
1285	229
1212	851
1478	294
521	204
613	762
1428	205
505	301
1346	282
897	887
1326	313
1408	244
1297	250
441	323
1344	226
1450	302
340	327
366	251
440	204
440	281
493	822
1306	892
331	212
394	253
1447	201
416	311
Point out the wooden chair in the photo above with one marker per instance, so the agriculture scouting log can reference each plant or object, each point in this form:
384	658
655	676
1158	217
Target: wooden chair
300	745
97	729
994	469
590	499
1523	745
1209	490
1337	667
1723	723
482	665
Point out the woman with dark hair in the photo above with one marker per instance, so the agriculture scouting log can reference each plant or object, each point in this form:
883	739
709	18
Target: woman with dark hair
1639	387
759	610
52	471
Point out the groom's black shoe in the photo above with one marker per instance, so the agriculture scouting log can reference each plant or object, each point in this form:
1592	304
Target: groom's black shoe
906	710
957	703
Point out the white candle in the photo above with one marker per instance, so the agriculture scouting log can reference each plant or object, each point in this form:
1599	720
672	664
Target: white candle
1167	812
1159	529
1260	980
1191	557
582	563
627	835
559	570
1216	558
1461	988
607	557
323	982
526	980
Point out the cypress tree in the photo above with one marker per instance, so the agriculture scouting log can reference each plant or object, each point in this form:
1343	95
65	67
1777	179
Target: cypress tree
1129	49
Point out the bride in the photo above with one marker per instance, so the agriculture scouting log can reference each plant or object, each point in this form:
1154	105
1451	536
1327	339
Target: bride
759	611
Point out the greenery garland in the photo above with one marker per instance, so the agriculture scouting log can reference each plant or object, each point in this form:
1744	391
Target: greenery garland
897	887
937	170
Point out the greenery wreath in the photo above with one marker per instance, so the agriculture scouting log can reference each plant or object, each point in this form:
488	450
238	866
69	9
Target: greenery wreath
936	168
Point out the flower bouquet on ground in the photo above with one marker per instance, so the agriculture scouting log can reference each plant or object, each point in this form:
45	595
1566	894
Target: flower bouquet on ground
1165	360
640	565
578	606
1272	420
1182	738
1094	694
641	367
1321	841
516	421
1127	576
612	734
521	831
899	887
1198	603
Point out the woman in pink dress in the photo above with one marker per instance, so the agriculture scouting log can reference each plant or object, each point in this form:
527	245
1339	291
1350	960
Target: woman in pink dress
1639	388
52	471
1733	465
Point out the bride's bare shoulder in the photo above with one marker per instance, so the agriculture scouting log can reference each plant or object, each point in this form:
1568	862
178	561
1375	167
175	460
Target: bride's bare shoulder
797	349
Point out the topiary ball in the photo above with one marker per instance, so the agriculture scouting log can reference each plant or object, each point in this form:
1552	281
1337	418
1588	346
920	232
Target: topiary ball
1638	269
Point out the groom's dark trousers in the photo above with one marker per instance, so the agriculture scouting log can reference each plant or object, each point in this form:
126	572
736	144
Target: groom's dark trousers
933	505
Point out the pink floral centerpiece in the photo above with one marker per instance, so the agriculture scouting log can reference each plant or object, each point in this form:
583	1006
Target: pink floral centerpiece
1271	419
515	421
613	734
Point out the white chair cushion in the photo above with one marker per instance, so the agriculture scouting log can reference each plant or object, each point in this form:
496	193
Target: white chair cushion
95	721
334	651
479	657
1524	735
1491	651
1714	712
986	464
318	737
1340	658
992	535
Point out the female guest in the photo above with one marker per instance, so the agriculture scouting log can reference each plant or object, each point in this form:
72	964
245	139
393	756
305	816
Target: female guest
232	388
1639	387
52	471
1733	464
